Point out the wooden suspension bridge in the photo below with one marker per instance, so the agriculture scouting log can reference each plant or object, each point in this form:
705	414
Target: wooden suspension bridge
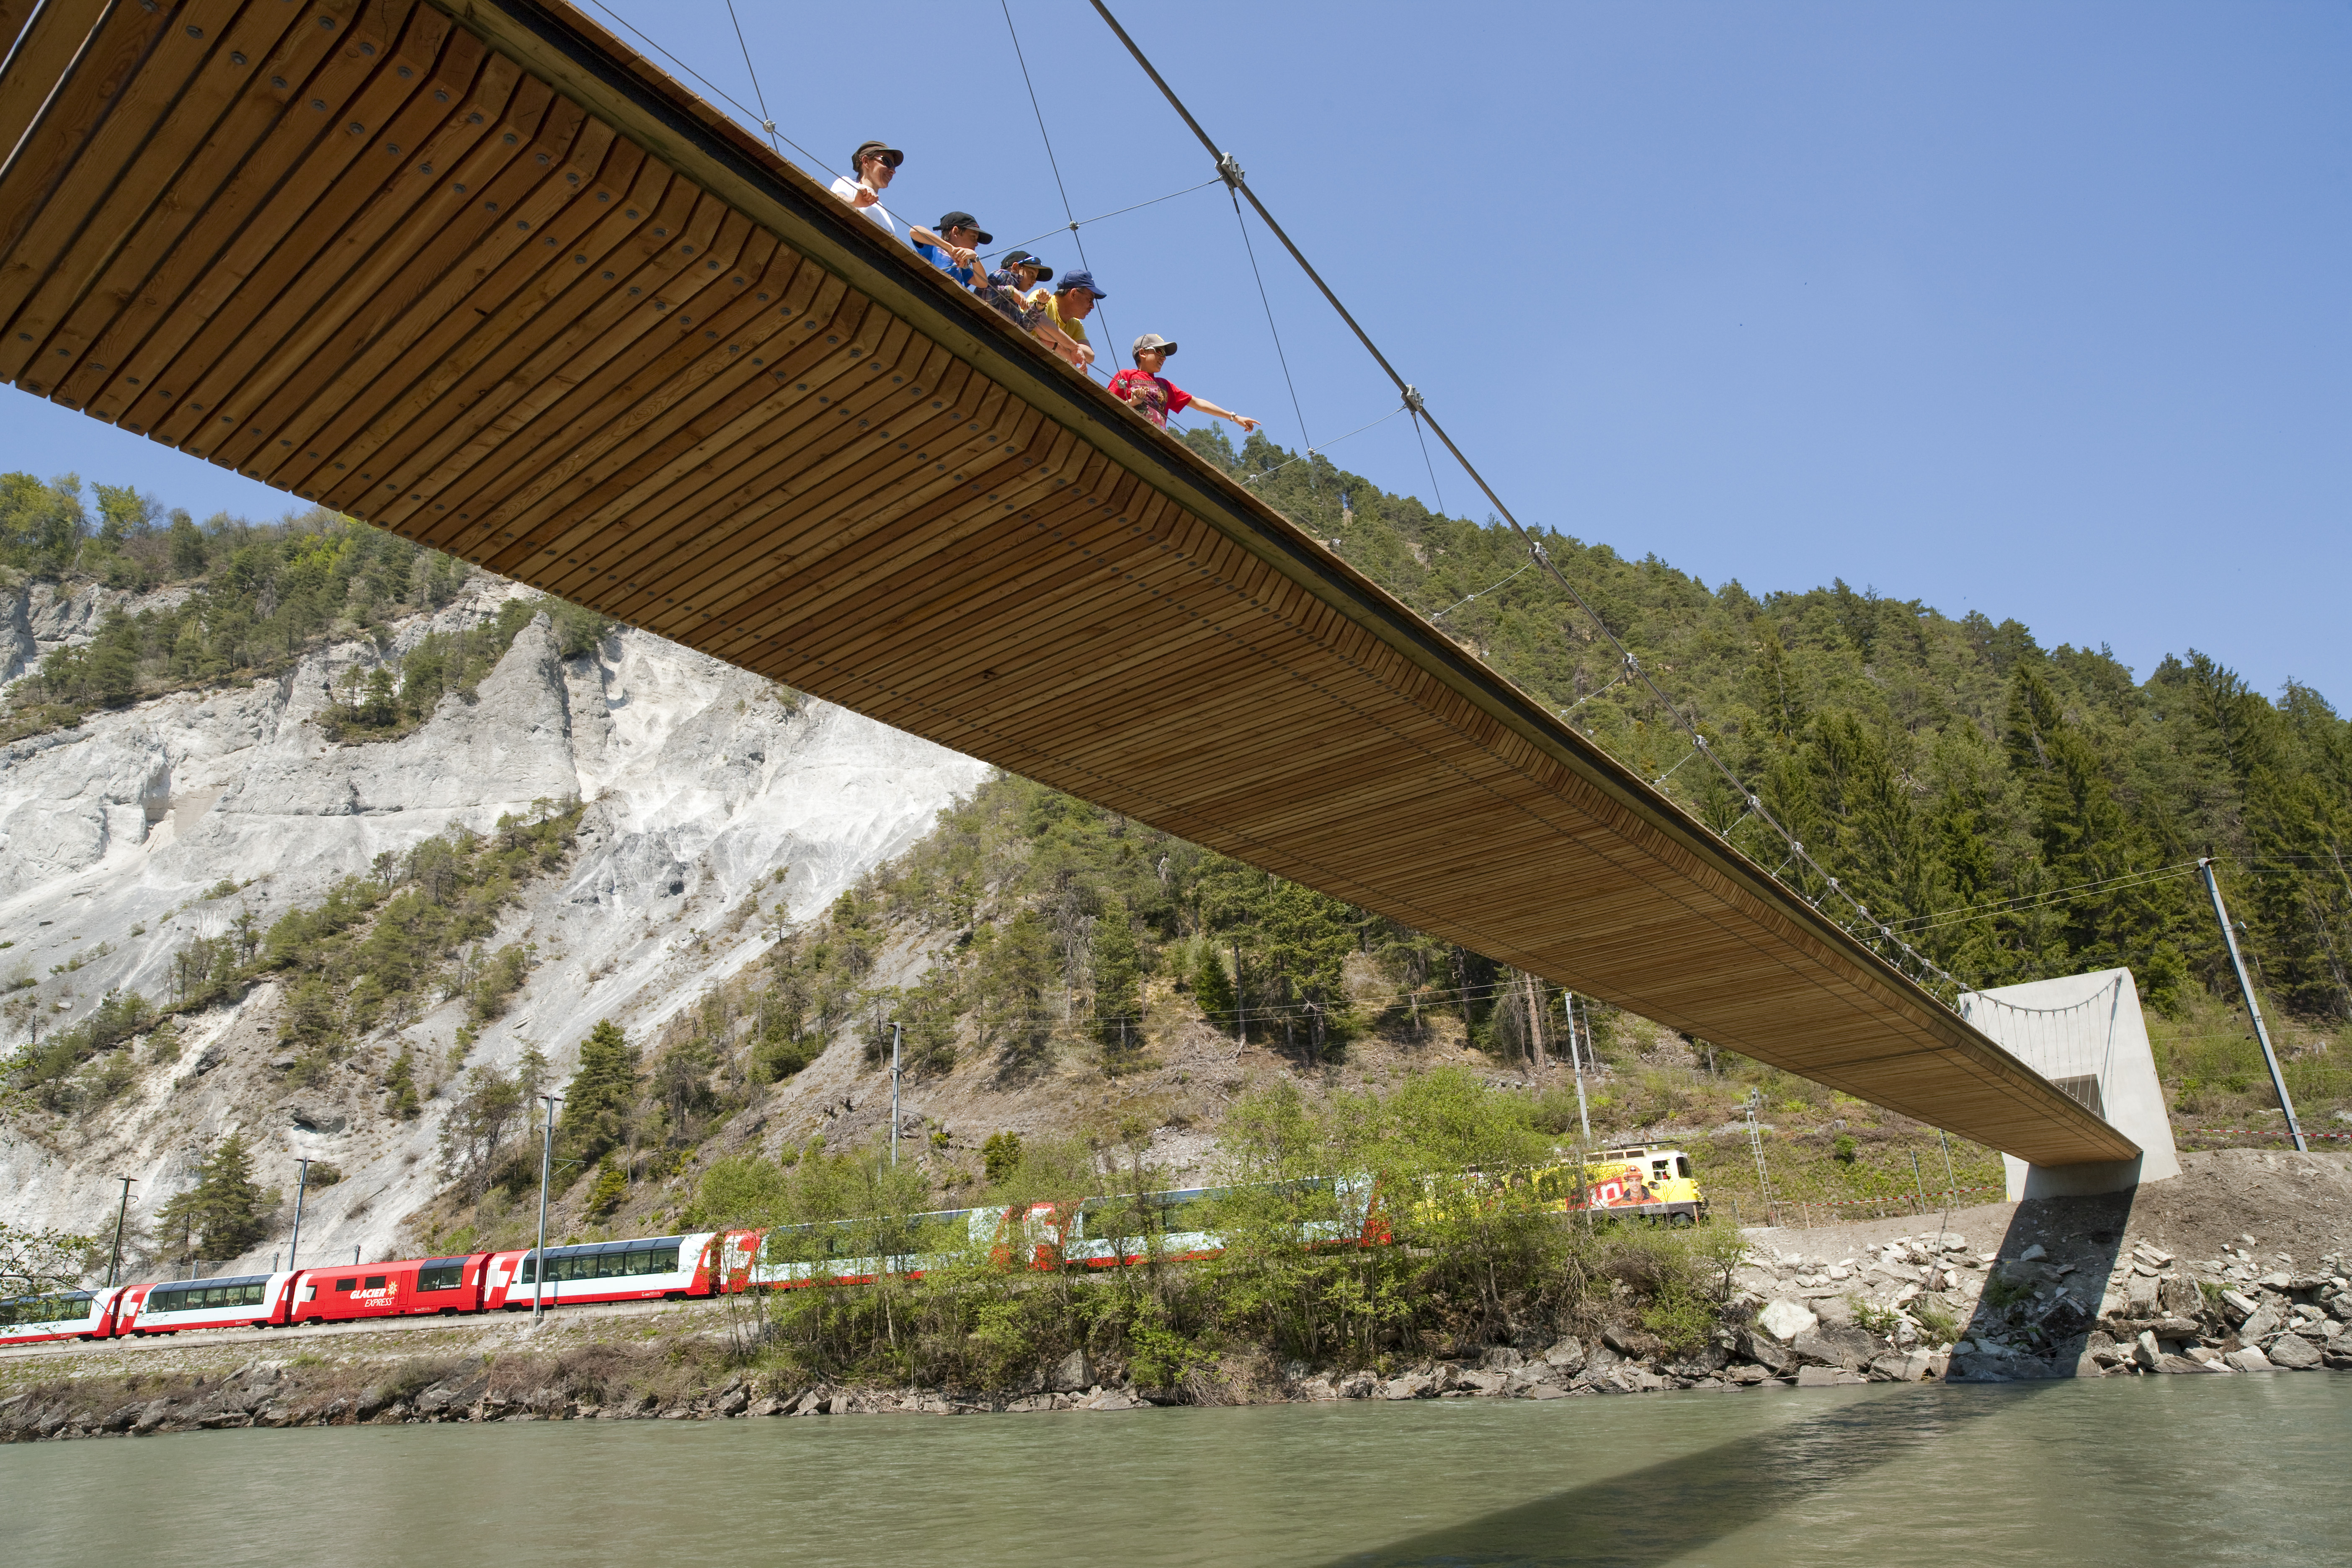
475	272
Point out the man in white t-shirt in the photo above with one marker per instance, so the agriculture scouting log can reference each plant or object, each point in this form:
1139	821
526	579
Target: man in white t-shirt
874	162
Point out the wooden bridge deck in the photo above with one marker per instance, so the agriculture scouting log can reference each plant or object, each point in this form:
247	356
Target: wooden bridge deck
473	271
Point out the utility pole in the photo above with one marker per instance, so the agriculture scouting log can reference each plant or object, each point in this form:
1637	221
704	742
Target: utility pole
301	1186
1241	1008
1576	1064
114	1263
1917	1184
893	1093
538	1253
1756	1145
2253	1009
1535	989
1954	1195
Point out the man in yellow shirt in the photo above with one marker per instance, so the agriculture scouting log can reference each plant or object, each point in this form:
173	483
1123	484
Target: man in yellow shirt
1068	311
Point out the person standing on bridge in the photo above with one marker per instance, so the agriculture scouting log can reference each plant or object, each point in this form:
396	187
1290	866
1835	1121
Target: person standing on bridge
1154	396
1017	288
1067	311
872	165
954	249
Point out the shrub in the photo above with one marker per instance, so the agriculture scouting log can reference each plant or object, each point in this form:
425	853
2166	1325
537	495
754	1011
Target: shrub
1000	1157
612	1187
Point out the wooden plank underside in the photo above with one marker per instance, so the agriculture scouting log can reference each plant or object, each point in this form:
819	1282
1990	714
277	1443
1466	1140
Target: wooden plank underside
473	271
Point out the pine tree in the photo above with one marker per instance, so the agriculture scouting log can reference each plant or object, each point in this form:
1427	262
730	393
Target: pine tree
1213	989
602	1092
223	1210
1118	976
400	1086
1308	938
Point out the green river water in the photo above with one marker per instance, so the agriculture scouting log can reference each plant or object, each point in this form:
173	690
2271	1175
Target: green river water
2128	1471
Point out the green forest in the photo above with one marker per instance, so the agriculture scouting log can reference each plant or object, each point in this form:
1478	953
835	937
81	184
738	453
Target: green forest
247	600
1938	765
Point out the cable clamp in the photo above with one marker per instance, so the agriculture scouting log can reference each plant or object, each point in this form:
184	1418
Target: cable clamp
1413	398
769	126
1230	170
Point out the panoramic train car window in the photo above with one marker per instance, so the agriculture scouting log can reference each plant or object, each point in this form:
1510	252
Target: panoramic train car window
207	1297
441	1274
46	1309
597	1263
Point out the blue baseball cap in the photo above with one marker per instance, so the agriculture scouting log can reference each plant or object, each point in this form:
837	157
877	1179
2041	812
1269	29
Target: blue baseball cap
1085	280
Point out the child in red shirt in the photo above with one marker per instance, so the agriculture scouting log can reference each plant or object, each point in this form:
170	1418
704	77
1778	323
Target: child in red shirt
1156	397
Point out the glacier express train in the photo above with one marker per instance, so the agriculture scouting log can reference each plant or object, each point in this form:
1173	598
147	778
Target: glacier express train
1092	1233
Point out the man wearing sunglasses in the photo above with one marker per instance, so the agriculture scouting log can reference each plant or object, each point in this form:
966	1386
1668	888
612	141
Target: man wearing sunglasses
874	162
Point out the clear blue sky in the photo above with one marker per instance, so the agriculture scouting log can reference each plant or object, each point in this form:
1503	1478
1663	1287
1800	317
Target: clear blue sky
2035	310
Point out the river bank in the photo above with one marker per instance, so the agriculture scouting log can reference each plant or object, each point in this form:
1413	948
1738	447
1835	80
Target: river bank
2074	1288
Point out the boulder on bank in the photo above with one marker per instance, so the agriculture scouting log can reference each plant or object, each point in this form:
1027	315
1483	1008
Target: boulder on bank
1834	1344
2293	1352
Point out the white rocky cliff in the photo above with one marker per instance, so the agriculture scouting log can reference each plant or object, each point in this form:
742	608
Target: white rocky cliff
701	784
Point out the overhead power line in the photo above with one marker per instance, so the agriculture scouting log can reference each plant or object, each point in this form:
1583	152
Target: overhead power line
1231	169
2053	896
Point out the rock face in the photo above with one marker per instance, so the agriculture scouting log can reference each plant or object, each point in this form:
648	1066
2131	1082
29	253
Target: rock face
702	781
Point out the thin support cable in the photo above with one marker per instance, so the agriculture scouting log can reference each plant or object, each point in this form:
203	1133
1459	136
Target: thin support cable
1672	771
1233	177
1479	594
1120	212
767	120
729	97
1433	488
1616	680
1051	162
1242	224
1319	451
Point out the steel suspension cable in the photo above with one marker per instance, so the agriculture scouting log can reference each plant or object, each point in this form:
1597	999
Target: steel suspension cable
1237	178
1243	224
729	97
1052	162
1099	217
767	120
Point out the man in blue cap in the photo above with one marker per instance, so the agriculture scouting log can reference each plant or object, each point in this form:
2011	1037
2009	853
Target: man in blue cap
1068	311
1016	289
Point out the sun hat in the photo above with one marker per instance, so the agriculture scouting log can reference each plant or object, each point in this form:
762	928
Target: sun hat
882	150
1024	258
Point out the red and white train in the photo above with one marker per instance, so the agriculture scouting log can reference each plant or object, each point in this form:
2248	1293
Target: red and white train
1094	1233
661	1267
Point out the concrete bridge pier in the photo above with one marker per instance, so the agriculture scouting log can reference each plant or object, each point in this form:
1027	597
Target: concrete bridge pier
2085	1033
